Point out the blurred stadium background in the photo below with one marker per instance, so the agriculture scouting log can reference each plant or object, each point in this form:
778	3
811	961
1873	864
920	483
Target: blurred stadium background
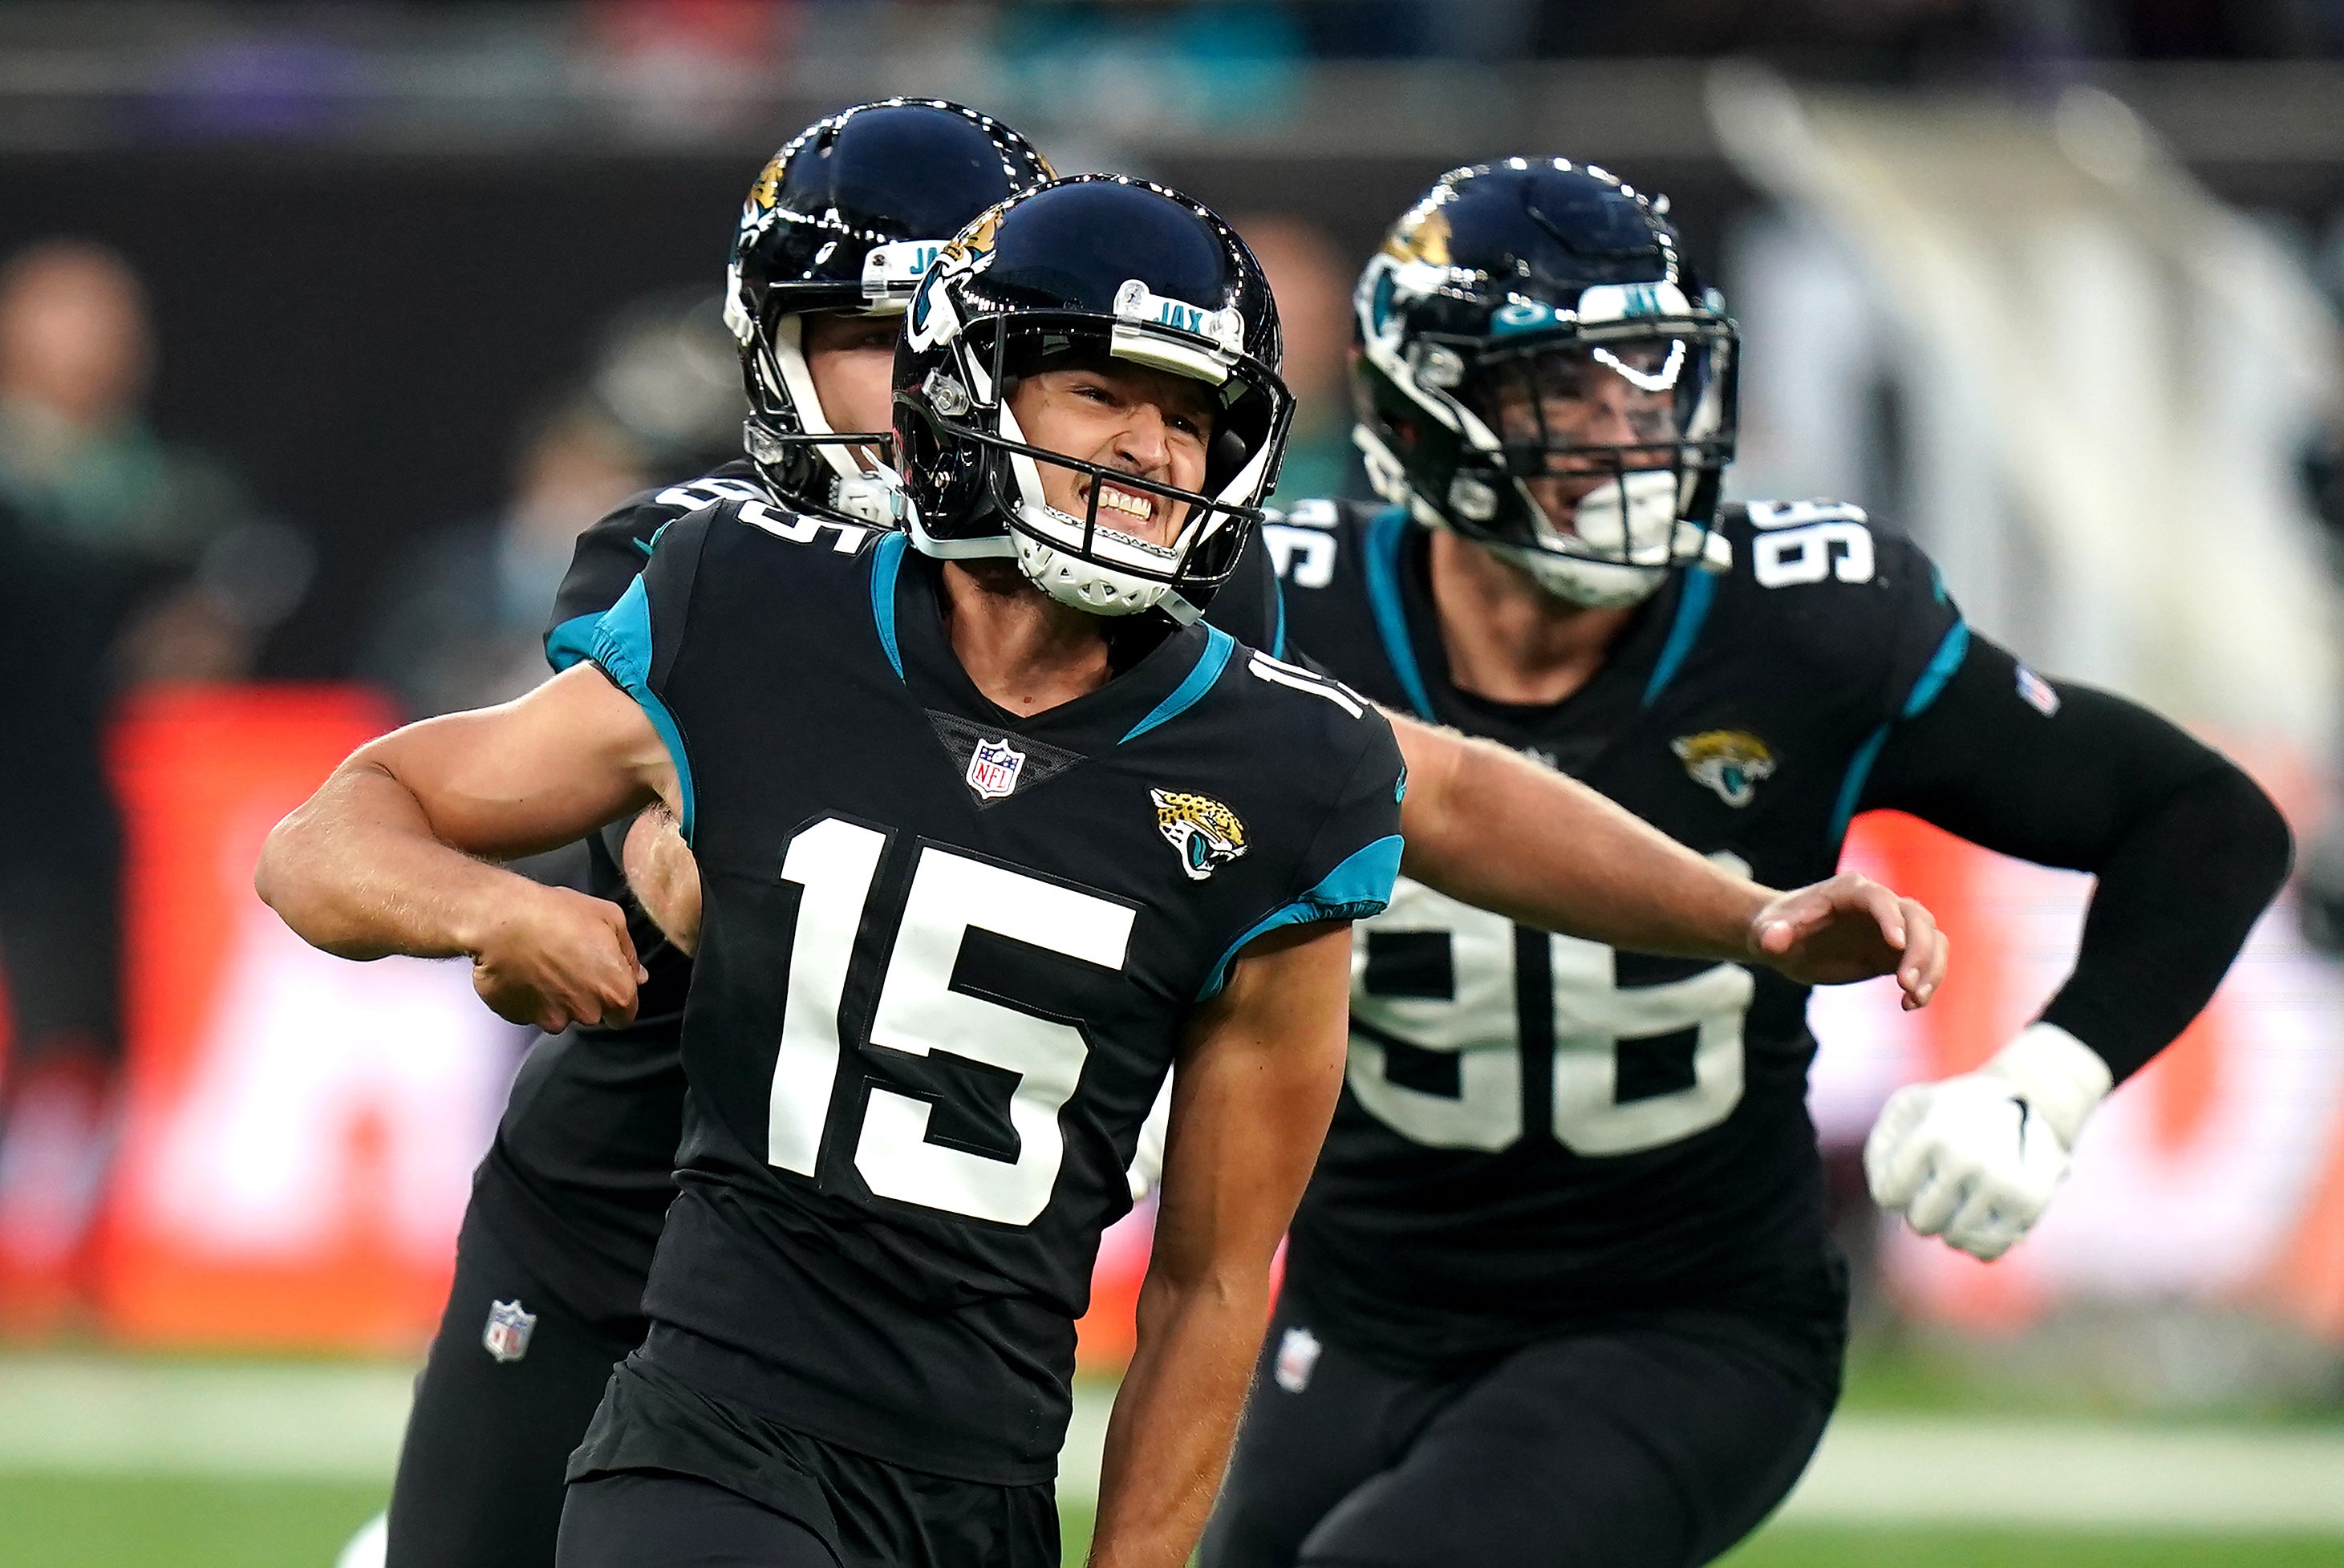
323	327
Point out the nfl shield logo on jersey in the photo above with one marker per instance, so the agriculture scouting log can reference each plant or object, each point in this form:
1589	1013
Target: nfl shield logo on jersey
993	769
1298	1356
507	1335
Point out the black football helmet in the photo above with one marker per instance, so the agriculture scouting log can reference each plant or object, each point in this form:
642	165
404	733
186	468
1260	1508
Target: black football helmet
1089	271
846	217
1530	327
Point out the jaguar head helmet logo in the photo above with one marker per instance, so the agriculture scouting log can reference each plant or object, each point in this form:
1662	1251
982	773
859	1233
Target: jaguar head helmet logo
1732	762
1206	834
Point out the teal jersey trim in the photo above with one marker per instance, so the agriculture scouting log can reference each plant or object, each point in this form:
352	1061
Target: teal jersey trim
571	642
1699	593
1357	888
1278	634
623	647
1942	665
1218	646
1925	690
886	561
1387	530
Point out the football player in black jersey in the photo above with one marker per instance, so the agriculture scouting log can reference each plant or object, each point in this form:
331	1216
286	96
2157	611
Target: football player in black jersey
1559	1291
568	1205
988	831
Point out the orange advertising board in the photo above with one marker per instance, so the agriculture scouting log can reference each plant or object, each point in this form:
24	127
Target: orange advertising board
299	1131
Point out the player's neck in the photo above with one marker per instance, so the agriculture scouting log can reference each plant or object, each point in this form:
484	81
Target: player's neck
1507	638
1025	650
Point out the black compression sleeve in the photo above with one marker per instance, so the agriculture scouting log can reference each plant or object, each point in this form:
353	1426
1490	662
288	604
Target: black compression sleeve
2187	849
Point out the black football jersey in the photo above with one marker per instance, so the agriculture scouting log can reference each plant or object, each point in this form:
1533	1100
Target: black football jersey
580	1177
947	957
1537	1128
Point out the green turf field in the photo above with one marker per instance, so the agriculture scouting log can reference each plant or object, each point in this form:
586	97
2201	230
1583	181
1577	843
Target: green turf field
105	1522
90	1522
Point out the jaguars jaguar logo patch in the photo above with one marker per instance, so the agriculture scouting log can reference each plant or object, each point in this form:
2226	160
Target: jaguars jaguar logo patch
1733	762
1205	834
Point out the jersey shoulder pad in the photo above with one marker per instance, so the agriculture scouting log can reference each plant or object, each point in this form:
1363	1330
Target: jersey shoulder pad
611	551
1295	695
764	517
1333	807
1799	551
1826	581
1311	540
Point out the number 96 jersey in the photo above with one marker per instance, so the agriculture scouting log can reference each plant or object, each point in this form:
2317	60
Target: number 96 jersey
1538	1129
947	954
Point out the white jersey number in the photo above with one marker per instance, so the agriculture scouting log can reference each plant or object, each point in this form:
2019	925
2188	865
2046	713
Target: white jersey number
1466	1003
920	1012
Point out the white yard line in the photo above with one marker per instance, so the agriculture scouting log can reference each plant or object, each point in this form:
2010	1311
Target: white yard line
328	1420
1876	1469
104	1416
2041	1474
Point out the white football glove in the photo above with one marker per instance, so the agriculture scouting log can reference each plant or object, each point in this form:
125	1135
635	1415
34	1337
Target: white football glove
1976	1158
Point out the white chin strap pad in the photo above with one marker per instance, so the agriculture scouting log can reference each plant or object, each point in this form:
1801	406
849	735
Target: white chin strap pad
1085	585
1635	517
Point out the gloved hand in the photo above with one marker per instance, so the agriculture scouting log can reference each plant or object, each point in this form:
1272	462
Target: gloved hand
1976	1158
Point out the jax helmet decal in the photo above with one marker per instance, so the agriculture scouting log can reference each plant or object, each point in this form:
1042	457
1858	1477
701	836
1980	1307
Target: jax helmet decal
1089	271
846	217
1510	301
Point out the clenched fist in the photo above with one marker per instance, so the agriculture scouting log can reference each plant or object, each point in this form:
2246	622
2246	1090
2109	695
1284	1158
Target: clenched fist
1976	1158
552	958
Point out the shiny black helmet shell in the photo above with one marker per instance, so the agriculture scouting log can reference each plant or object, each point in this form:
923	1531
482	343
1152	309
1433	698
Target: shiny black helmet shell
1102	267
841	218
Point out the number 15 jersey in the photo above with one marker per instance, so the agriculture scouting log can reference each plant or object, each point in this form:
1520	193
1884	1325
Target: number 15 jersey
1537	1129
947	954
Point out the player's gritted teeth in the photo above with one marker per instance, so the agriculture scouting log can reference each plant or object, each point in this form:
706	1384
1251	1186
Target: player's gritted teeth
1133	504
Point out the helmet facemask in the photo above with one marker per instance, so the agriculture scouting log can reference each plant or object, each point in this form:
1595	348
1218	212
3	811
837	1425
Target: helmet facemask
846	219
1571	415
1086	559
788	437
1606	440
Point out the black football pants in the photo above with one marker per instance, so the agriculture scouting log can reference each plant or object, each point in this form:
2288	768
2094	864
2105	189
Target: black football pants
639	1519
1653	1443
479	1473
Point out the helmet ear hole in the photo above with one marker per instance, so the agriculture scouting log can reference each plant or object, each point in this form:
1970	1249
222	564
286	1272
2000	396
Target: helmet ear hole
1227	455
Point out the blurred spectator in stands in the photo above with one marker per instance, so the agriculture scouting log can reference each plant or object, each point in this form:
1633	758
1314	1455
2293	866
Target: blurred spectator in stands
666	371
1217	62
130	560
661	401
1312	282
466	608
158	526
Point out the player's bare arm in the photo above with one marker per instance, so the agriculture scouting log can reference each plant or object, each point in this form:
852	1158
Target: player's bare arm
1256	1084
395	852
662	875
1498	832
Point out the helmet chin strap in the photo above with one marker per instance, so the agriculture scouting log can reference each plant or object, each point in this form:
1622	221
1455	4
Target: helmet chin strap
797	379
1590	585
1072	579
1634	515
